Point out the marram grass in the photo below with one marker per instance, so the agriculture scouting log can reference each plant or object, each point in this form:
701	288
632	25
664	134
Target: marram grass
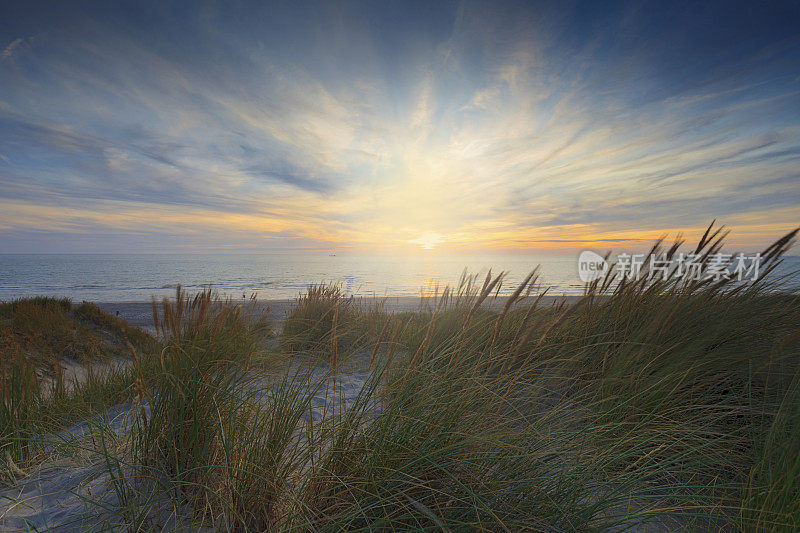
661	404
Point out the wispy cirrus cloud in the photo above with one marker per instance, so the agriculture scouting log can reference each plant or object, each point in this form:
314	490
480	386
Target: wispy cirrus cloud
10	49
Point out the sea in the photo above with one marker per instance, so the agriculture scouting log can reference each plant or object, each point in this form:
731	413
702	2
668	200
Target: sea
140	277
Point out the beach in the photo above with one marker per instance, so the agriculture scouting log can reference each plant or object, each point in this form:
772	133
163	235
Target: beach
140	314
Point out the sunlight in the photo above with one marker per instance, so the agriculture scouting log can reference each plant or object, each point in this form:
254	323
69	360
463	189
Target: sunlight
428	240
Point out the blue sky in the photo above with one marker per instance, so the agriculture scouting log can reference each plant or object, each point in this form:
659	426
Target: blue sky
448	125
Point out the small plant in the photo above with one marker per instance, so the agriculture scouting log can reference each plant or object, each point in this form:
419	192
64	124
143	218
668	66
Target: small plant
20	397
207	431
321	320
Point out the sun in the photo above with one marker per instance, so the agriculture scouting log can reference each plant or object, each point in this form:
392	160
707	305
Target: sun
428	240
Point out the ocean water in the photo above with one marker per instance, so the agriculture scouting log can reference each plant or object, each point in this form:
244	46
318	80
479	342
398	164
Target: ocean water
136	277
133	278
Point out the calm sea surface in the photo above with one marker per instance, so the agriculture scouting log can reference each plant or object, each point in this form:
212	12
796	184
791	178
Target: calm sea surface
131	278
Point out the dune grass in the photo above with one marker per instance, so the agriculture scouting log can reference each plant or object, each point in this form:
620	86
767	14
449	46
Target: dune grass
199	393
37	337
91	314
325	319
662	403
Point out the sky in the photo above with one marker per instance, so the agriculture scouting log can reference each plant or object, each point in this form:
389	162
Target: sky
447	126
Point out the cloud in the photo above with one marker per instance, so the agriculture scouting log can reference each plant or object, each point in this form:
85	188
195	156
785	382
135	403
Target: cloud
488	125
9	51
